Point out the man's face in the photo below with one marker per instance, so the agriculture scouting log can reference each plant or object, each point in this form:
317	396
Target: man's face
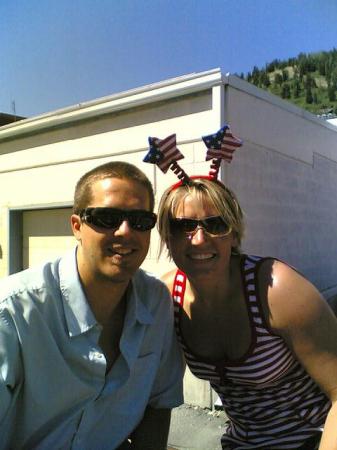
112	255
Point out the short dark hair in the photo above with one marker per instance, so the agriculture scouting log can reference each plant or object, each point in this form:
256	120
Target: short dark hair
113	169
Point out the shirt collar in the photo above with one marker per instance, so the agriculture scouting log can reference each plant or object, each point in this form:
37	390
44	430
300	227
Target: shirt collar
136	310
78	314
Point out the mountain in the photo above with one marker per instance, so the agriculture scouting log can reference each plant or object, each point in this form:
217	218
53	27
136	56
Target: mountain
309	81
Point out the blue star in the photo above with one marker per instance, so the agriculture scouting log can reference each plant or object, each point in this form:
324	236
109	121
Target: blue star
214	141
154	155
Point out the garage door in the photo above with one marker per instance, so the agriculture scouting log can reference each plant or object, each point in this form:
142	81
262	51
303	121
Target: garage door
46	235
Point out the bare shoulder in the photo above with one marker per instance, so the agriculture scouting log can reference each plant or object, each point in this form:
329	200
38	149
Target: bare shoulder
298	313
168	279
290	299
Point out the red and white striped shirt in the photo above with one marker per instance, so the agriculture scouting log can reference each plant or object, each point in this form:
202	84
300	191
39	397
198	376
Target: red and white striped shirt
270	400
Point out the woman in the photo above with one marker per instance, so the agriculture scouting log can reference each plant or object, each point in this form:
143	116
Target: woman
254	327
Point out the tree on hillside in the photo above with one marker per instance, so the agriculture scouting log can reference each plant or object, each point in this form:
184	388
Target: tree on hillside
333	79
308	95
278	80
308	79
332	93
296	88
322	64
309	82
271	67
291	62
285	91
264	79
285	75
255	76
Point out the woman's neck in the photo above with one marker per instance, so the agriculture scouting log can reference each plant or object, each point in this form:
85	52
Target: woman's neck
209	292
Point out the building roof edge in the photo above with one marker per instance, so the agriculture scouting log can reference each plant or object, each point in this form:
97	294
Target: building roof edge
150	93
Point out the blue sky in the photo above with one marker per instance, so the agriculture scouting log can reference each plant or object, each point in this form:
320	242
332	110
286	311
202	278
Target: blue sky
57	53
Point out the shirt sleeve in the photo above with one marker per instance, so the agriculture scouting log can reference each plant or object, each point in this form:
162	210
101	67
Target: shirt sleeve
167	389
10	364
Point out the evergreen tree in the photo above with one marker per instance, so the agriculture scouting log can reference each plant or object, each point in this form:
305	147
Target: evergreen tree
301	70
278	80
331	93
334	77
271	67
307	80
285	91
285	75
321	65
296	88
264	79
256	76
311	64
308	96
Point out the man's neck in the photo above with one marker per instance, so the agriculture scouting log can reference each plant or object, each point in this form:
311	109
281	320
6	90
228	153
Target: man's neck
104	298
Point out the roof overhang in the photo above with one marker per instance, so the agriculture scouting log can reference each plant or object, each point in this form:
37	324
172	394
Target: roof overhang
151	93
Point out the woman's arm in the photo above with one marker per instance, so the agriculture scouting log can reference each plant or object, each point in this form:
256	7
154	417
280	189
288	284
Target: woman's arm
297	312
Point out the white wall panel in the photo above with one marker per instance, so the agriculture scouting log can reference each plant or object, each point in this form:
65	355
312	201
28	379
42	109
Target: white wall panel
46	235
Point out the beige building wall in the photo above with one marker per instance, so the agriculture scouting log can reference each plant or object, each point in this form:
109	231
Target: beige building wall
286	179
46	233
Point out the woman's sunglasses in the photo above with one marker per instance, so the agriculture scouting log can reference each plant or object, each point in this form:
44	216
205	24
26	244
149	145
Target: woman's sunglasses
112	218
214	225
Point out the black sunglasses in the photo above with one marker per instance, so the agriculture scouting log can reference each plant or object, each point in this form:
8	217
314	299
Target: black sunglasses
112	218
214	225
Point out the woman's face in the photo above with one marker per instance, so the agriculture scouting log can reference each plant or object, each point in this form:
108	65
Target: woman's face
200	254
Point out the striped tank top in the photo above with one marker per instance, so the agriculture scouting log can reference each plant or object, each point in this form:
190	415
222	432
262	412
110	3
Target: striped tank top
270	400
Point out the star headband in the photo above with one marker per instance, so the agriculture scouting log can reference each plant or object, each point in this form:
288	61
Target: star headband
165	154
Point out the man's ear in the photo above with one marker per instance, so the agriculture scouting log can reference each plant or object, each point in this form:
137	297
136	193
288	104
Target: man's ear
76	226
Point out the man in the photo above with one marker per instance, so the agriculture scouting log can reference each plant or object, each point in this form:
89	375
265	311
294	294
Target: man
88	355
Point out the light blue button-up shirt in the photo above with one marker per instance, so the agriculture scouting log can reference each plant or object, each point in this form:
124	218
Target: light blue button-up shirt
54	392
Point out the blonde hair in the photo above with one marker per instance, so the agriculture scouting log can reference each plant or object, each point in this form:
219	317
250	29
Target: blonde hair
221	197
